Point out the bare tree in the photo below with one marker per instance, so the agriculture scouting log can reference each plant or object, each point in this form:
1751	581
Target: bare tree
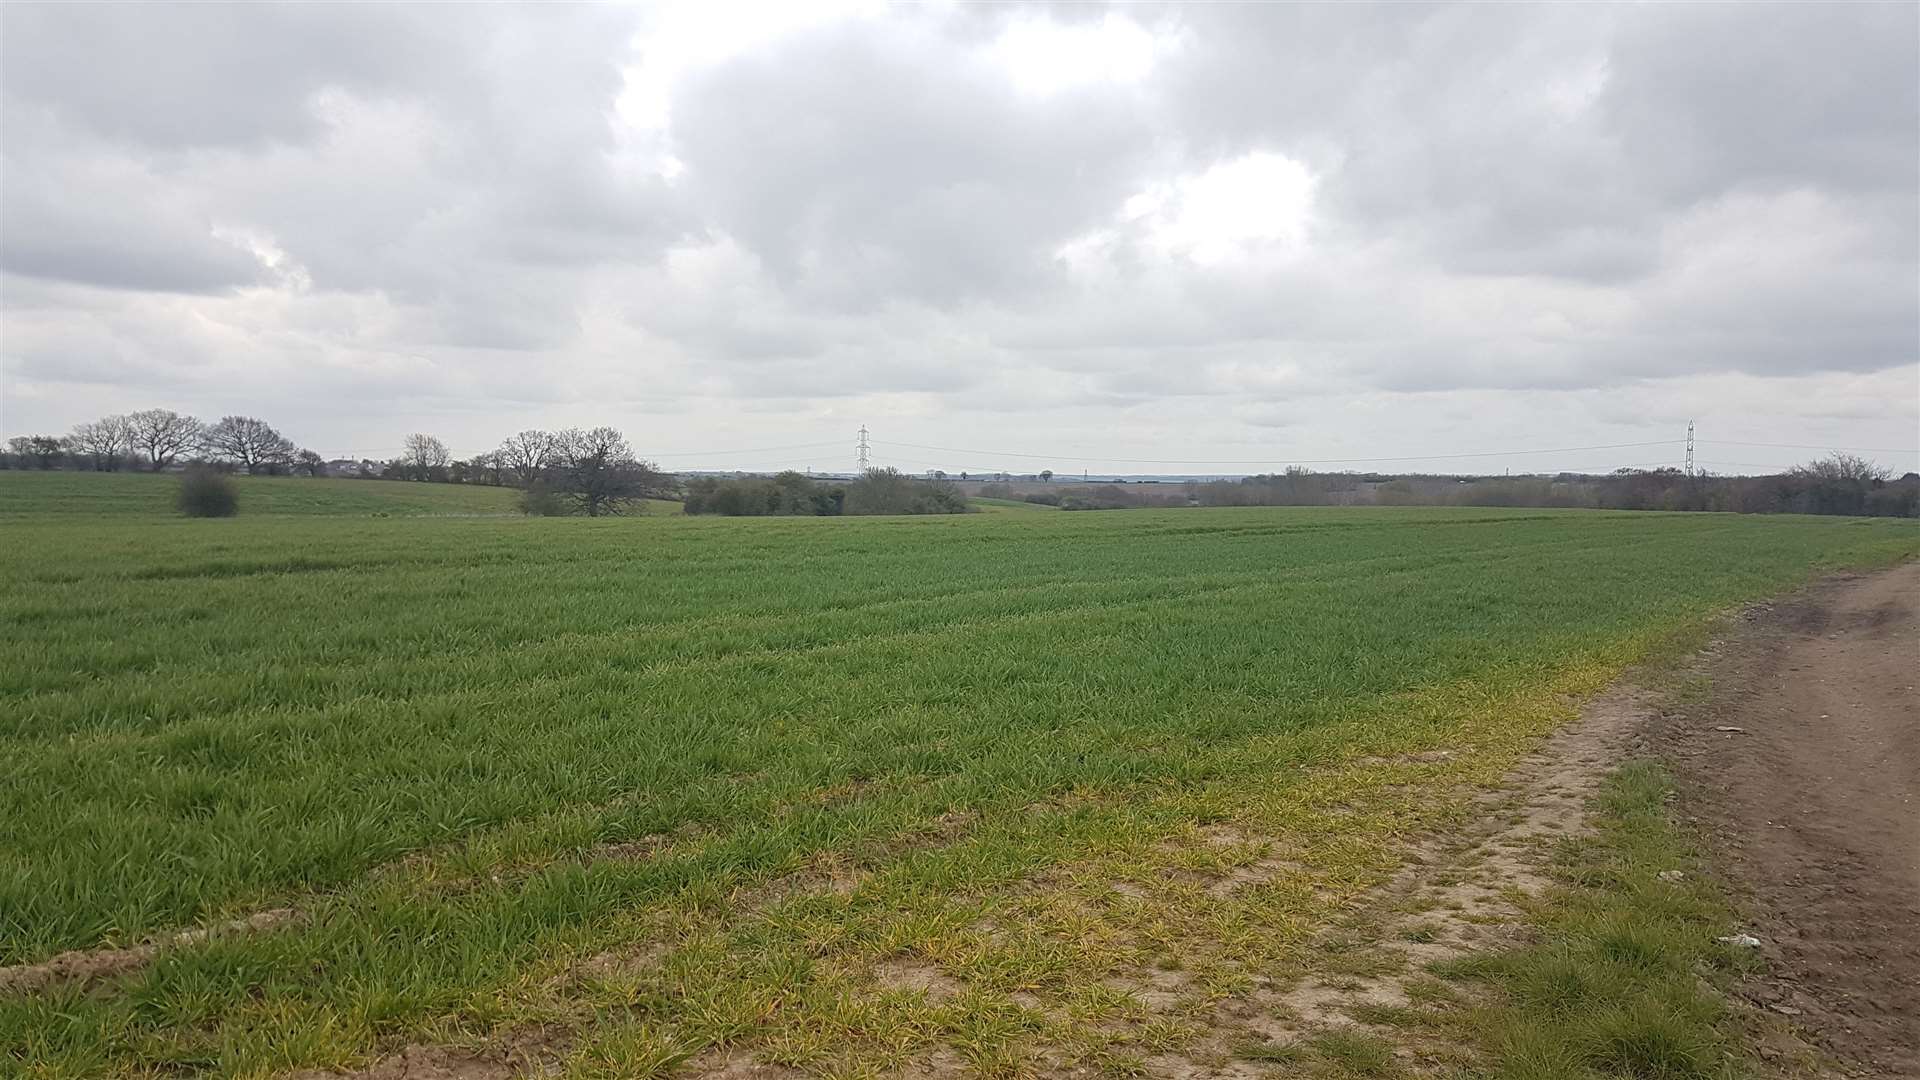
596	470
1839	468
525	457
250	443
424	457
164	435
310	463
486	468
42	450
106	442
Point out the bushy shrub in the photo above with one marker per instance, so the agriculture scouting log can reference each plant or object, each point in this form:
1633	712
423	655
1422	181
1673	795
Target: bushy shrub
888	491
789	494
1120	497
542	501
206	493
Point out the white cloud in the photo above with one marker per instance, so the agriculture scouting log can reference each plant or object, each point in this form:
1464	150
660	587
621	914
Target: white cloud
1042	56
1235	209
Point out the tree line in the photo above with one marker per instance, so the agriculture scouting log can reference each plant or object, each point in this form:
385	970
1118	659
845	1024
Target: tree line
1839	484
789	494
590	471
158	439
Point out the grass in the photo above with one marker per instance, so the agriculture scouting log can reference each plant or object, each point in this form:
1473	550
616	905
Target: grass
1008	506
665	786
1612	986
32	496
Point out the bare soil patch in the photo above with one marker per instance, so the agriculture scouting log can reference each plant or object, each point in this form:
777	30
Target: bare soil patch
92	965
1459	893
1800	762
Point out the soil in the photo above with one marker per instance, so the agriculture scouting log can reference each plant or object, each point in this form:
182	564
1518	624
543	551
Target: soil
1800	764
92	965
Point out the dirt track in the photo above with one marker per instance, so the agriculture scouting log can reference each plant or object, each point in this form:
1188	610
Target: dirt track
1812	808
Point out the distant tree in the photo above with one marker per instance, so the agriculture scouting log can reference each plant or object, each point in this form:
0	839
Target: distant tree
207	492
539	500
249	443
880	491
1841	468
524	457
1836	484
105	442
888	491
43	451
595	470
788	494
485	468
1046	476
310	463
425	457
164	435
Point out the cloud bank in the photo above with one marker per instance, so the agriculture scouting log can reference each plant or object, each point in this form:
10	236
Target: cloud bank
1207	233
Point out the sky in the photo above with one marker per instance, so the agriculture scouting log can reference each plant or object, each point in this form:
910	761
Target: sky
1140	238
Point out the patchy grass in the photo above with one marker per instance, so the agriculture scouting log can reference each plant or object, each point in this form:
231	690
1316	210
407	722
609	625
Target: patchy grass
1624	978
978	793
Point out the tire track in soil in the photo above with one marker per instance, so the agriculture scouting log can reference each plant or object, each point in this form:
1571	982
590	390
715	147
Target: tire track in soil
1800	766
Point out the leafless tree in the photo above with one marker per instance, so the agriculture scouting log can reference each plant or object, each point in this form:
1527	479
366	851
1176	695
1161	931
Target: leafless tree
1839	468
253	444
164	435
525	457
310	463
595	469
424	457
106	442
486	468
42	450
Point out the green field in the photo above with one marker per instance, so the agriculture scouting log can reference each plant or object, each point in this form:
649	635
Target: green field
658	785
36	496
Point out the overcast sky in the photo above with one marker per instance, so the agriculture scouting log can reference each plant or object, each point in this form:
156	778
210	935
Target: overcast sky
1214	238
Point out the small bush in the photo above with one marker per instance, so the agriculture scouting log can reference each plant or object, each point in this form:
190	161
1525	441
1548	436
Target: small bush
205	493
542	501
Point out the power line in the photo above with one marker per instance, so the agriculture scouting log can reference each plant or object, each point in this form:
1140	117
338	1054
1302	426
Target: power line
1750	465
1808	446
1284	461
649	454
752	450
1587	470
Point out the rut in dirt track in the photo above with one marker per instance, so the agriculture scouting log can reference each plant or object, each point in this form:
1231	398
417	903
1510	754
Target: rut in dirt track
1813	806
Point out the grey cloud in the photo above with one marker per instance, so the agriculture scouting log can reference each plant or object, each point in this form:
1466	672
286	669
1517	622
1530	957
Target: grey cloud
452	217
1708	97
194	75
865	162
69	214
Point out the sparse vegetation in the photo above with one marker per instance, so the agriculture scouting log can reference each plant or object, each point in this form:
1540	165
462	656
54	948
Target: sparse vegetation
1612	986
